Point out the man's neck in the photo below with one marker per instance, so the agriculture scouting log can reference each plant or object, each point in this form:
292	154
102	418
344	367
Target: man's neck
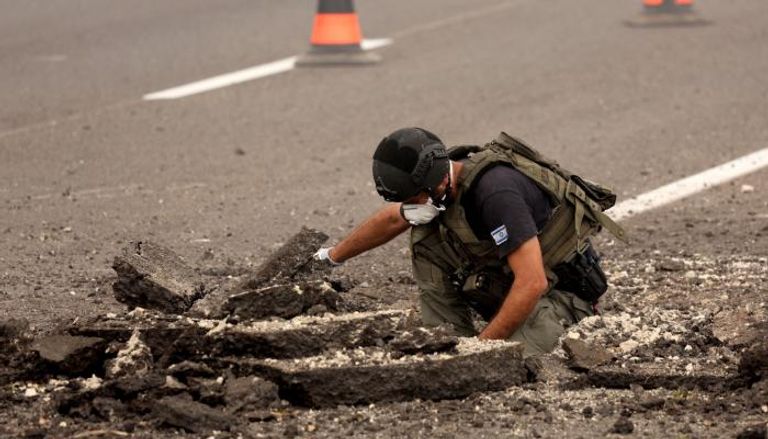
457	167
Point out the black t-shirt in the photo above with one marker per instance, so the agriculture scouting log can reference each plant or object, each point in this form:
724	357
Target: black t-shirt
507	207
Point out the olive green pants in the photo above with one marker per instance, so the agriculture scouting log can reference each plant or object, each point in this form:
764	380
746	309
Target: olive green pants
442	302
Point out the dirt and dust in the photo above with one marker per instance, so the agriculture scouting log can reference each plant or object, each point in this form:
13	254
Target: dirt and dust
653	364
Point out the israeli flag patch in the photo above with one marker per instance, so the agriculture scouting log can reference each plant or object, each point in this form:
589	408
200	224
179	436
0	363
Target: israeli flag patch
500	235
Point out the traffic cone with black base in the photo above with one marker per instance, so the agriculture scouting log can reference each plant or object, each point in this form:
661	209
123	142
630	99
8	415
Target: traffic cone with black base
659	13
336	37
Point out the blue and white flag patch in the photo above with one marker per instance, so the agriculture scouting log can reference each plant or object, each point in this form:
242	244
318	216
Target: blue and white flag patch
500	235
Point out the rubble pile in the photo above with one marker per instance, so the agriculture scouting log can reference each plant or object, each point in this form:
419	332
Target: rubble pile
710	354
282	350
656	348
281	336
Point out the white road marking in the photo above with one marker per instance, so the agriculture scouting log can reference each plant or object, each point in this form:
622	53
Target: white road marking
225	80
690	185
240	76
375	43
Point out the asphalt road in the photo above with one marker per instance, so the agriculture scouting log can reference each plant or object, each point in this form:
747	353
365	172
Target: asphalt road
86	164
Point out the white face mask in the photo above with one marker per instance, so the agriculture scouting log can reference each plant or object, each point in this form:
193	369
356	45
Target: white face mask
419	214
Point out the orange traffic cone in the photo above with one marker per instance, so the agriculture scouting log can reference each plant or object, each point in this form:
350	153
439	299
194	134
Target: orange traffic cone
336	36
667	13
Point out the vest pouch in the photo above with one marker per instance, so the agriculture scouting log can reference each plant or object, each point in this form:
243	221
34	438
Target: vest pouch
582	276
485	292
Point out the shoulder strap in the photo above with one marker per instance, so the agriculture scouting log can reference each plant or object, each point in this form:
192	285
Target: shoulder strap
455	217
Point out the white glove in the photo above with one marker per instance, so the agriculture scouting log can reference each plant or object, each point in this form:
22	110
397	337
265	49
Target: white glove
324	254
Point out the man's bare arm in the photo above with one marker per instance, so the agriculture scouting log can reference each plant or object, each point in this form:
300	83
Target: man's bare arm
379	228
529	284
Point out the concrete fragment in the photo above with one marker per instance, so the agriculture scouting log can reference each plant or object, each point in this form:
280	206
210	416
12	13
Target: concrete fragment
285	300
585	356
424	340
134	359
154	277
191	415
293	261
172	383
250	393
91	383
346	377
628	346
71	354
167	338
306	336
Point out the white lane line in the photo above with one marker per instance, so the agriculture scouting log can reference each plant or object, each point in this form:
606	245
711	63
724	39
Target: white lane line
240	76
691	185
224	80
375	43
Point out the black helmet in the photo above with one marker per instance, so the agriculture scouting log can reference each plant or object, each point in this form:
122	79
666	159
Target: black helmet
407	162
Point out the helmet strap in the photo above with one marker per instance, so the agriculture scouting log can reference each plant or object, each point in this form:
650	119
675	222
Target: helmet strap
447	198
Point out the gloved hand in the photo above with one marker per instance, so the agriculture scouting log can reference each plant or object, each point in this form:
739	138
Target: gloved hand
324	255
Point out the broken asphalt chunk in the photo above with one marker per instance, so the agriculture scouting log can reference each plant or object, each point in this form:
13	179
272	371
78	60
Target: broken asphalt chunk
190	415
286	301
424	340
250	393
371	375
306	336
176	340
167	338
292	261
585	356
72	355
154	277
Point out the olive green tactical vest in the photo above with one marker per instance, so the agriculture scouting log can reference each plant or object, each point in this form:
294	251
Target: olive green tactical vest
578	212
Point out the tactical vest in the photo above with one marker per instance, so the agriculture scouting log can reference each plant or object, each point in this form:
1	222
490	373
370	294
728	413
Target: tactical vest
577	215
